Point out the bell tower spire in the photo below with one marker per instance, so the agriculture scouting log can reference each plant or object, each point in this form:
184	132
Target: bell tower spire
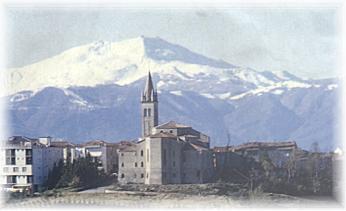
149	107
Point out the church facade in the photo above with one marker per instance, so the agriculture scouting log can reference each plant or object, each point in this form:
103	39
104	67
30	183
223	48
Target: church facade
169	153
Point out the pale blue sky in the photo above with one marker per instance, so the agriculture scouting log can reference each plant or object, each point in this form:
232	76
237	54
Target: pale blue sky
302	41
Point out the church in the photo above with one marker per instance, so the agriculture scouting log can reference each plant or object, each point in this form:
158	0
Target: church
168	153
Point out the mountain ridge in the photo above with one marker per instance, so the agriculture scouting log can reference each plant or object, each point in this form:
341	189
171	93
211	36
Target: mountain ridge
92	91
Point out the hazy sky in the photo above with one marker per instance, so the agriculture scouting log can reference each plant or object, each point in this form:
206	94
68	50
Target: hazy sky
302	41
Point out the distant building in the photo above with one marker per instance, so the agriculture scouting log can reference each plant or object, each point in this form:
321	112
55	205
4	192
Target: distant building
26	162
279	151
69	150
103	152
169	153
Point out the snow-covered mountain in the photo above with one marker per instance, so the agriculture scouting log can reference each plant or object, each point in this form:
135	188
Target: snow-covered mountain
92	91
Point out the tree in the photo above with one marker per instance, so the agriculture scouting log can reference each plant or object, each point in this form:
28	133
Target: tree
55	174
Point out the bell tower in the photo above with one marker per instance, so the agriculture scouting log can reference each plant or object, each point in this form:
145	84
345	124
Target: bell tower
149	108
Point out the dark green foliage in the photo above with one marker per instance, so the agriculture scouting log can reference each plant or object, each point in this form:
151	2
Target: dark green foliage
55	174
82	173
313	176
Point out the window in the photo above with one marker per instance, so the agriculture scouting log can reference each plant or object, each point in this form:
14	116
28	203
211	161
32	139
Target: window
149	112
135	164
122	175
11	179
164	157
142	164
24	169
171	131
15	169
28	156
145	112
161	131
173	163
28	179
147	155
142	175
122	154
10	157
142	153
28	152
122	164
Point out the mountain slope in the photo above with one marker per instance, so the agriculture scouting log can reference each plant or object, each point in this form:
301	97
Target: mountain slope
92	92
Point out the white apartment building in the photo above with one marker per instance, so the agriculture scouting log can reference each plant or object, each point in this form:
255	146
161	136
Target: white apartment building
26	162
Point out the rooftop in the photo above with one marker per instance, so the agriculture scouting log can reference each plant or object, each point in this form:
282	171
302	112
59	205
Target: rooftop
258	145
171	125
127	146
162	135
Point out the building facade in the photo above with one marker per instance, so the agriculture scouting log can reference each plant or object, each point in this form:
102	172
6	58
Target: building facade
169	153
26	162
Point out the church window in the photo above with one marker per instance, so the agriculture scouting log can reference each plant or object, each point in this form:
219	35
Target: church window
142	153
147	155
122	164
135	164
164	157
122	175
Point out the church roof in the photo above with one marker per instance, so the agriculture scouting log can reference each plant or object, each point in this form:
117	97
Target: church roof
162	135
171	125
149	93
127	146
